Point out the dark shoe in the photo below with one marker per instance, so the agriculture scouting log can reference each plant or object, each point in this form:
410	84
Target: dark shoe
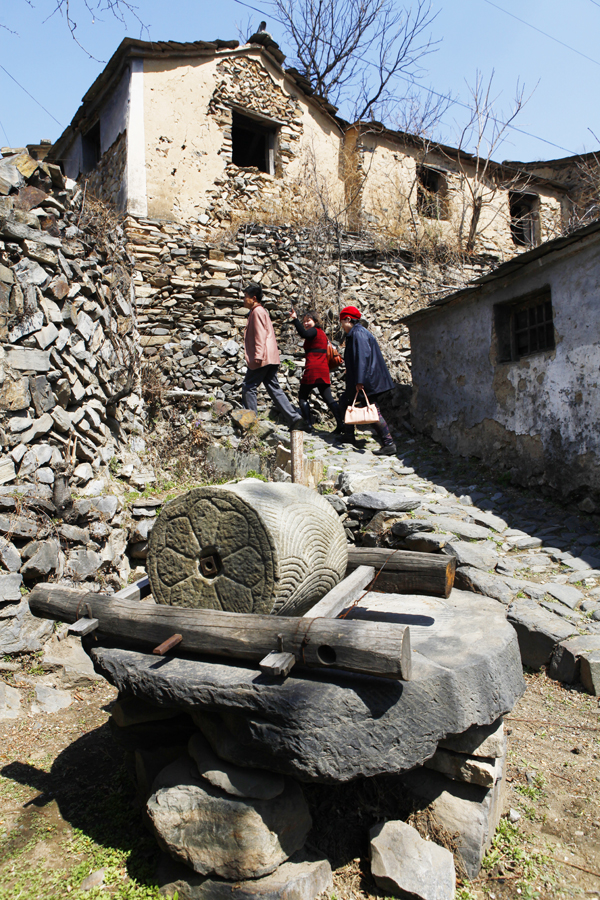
341	429
386	450
298	424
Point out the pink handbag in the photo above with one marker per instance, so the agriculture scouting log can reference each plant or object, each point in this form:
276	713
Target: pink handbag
361	415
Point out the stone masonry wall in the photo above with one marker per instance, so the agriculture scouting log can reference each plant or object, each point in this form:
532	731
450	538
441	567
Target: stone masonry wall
191	318
107	180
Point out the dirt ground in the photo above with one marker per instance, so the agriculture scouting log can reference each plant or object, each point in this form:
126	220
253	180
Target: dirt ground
68	807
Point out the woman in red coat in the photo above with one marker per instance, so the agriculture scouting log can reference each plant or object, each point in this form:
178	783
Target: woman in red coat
316	370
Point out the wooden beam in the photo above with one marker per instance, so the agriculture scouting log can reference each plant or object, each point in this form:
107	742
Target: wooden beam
405	571
371	648
343	594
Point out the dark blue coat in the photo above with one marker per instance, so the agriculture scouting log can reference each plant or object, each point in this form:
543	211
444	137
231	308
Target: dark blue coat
365	363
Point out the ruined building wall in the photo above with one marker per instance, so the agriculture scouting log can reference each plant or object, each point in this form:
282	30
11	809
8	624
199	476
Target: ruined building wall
390	204
538	414
107	181
188	120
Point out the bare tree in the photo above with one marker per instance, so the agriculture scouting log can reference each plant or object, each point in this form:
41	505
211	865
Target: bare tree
480	138
72	10
352	51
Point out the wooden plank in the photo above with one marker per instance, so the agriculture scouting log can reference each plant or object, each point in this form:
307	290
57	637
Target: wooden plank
406	571
343	594
371	648
276	663
83	626
297	448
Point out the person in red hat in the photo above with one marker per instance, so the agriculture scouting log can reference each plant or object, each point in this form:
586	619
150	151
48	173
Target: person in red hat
365	370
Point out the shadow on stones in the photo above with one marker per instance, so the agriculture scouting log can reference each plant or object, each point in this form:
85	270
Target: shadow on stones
397	618
94	793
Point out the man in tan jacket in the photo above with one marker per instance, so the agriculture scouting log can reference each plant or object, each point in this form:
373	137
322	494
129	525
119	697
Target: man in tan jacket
262	359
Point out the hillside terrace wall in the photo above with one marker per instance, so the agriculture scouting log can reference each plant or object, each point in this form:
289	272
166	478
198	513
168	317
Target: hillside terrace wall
191	319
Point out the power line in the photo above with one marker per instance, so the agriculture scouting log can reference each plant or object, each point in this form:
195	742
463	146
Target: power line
595	3
32	97
431	91
545	33
5	134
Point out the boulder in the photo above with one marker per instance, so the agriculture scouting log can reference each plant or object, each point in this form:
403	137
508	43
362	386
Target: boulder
50	699
462	529
10	587
590	672
478	556
467	810
468	578
69	659
356	482
332	726
479	740
565	593
565	664
210	831
43	561
296	879
376	500
422	542
405	865
461	767
538	631
82	564
10	702
10	557
411	526
235	780
20	632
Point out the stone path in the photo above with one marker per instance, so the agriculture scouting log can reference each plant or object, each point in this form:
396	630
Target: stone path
541	560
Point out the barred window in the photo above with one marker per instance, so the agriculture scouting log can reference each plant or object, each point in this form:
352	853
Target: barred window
524	326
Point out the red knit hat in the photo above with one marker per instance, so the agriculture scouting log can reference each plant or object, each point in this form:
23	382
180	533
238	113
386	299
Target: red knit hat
350	312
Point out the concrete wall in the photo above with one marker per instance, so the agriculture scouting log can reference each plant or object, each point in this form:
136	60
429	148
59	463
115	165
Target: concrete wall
539	415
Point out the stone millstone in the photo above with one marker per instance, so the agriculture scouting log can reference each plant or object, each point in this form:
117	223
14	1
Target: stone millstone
210	831
329	726
248	548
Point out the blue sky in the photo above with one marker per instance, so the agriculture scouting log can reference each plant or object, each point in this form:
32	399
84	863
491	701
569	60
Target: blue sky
474	35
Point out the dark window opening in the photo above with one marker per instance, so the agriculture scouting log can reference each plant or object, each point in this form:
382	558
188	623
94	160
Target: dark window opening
431	193
523	218
253	144
90	148
524	326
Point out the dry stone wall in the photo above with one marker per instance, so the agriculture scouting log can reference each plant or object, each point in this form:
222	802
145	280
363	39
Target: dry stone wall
68	405
191	318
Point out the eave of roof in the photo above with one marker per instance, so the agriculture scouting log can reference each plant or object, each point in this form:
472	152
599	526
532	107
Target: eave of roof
133	48
511	267
502	170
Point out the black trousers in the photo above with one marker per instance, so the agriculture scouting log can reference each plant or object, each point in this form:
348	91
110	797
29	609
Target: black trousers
381	427
325	392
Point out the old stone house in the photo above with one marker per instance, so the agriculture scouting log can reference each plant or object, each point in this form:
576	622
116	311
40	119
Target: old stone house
509	369
211	133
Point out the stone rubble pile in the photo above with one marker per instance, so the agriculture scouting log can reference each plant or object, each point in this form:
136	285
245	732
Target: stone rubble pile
68	408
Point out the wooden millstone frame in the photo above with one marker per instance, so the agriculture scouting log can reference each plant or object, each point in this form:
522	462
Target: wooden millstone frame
250	547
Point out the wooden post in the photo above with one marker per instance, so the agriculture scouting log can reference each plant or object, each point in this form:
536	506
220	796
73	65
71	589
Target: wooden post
406	571
297	457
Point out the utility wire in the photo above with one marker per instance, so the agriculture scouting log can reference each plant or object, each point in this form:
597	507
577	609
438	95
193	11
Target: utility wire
5	134
545	33
430	90
596	4
32	97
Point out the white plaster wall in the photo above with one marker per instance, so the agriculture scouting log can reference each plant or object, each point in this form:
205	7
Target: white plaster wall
72	160
135	172
113	118
552	397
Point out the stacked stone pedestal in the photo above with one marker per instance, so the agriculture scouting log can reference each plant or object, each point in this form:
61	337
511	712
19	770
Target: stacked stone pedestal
225	830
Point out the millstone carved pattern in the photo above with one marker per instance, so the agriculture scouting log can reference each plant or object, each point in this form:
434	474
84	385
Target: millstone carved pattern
278	549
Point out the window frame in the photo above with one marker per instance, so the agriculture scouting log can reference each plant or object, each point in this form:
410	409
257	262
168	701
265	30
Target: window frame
530	220
261	124
432	199
507	330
